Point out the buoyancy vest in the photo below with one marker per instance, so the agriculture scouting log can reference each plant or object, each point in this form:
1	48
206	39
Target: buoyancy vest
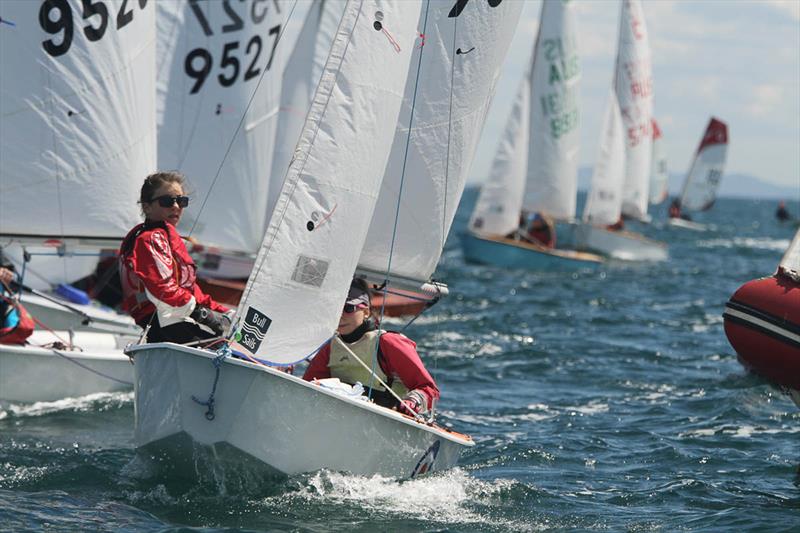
23	328
343	366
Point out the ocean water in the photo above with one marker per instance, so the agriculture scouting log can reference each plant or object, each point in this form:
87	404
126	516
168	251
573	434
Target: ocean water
598	401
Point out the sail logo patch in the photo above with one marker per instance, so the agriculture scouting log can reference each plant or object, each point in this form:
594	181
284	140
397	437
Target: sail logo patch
425	463
254	328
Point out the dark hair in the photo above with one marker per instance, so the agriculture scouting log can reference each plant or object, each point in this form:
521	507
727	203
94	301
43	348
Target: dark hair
154	181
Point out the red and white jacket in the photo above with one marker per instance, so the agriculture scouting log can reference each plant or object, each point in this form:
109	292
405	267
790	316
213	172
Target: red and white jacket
158	275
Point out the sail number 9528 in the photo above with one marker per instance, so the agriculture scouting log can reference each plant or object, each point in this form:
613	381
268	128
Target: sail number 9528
55	17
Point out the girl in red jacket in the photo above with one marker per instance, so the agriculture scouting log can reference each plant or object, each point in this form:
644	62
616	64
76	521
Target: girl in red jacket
158	278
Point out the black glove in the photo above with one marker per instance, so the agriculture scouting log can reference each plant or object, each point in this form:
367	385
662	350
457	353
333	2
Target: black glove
217	322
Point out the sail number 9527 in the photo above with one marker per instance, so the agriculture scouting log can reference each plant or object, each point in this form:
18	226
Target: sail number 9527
55	17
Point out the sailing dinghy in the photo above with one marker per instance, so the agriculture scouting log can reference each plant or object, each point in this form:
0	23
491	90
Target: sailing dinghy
304	268
77	135
762	323
700	186
620	179
535	167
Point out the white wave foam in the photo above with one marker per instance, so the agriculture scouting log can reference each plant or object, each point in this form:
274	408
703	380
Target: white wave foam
91	402
744	431
11	474
445	498
746	242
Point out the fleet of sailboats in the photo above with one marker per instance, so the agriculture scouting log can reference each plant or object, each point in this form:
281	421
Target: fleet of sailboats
535	167
621	176
347	156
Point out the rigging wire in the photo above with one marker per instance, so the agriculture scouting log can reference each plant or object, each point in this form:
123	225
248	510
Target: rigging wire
239	126
400	191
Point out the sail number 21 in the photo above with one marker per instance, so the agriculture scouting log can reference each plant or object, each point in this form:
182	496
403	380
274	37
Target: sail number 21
55	16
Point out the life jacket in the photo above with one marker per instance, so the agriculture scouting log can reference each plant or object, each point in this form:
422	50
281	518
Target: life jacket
169	258
343	366
15	333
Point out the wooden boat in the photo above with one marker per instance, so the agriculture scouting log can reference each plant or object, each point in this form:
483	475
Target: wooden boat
762	323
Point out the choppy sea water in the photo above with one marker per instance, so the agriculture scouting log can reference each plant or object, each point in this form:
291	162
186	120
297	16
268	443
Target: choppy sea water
598	401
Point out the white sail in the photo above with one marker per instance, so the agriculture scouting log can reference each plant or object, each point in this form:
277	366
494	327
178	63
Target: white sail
634	88
450	86
604	202
294	296
303	69
790	263
77	101
658	169
499	203
552	180
215	60
705	174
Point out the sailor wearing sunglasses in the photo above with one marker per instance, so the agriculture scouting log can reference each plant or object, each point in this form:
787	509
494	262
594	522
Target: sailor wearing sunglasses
398	363
158	278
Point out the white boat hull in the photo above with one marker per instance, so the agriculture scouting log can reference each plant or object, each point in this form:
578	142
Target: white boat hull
686	224
58	317
33	374
286	424
623	245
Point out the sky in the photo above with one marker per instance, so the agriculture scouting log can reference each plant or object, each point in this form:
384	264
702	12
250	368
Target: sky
738	60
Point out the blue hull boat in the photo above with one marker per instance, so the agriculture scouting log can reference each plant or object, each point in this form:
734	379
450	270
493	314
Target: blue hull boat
504	252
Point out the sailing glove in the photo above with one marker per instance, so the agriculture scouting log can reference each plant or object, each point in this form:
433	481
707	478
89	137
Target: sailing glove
414	403
216	322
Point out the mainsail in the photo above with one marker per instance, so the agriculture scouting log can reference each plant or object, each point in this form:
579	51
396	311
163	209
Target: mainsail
219	78
77	135
294	296
447	97
658	170
300	78
634	89
499	203
705	174
604	202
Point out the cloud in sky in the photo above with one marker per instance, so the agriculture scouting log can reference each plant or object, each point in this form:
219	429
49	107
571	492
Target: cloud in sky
738	60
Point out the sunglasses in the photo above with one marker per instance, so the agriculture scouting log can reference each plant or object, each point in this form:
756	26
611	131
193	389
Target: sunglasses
350	308
167	201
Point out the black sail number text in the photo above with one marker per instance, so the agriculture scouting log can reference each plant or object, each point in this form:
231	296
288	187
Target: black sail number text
56	19
200	61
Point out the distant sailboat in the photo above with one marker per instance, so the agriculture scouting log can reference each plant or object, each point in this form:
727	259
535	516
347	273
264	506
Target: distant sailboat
535	168
311	248
702	181
622	170
659	176
78	133
762	323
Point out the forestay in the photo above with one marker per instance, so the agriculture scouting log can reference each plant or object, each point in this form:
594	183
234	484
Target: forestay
300	78
705	174
552	177
294	296
634	88
604	202
444	110
77	100
215	60
499	203
658	168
